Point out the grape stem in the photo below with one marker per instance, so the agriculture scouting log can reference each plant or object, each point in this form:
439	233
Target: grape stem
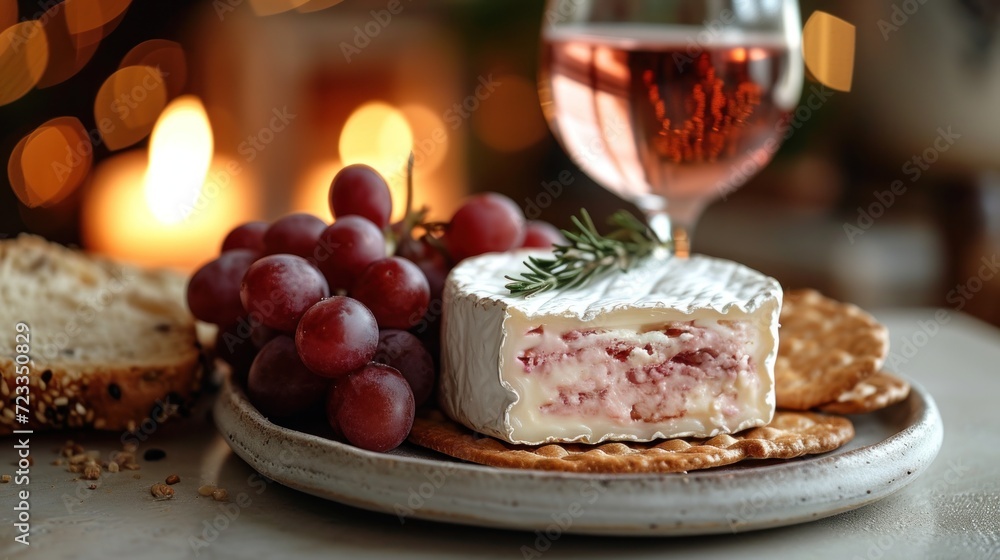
409	184
402	232
415	218
436	243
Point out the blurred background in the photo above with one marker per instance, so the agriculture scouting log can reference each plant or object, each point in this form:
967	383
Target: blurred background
888	195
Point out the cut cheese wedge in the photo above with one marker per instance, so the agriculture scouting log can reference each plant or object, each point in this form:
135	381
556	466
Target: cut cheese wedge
672	348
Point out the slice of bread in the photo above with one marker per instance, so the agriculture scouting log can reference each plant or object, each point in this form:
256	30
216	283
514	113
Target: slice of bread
111	346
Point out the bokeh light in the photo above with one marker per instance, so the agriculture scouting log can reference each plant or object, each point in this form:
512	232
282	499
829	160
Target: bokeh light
430	138
509	119
128	104
66	56
828	44
51	162
8	13
167	57
317	5
24	54
15	174
86	16
271	7
312	193
180	154
378	134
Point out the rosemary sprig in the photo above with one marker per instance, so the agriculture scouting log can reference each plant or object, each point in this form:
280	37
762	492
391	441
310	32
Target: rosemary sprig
588	253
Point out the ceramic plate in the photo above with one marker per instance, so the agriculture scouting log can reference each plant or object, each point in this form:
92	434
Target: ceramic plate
892	447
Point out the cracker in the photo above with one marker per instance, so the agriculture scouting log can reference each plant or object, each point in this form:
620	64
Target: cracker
825	349
877	392
789	435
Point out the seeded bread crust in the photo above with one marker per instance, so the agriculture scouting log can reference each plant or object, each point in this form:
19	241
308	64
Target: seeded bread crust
77	399
112	347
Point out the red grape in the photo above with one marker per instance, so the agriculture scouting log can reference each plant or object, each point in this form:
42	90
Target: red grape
429	334
542	235
360	190
403	351
406	246
247	236
487	223
280	384
337	336
251	329
429	259
376	408
295	234
396	292
233	346
346	248
333	401
280	288
261	334
213	293
436	272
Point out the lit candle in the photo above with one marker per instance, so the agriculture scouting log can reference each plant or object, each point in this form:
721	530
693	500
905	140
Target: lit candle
172	207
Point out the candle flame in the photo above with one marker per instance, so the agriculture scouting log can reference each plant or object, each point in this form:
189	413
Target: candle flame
180	153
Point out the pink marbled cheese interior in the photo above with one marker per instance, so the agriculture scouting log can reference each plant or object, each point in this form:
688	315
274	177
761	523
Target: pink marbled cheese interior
648	377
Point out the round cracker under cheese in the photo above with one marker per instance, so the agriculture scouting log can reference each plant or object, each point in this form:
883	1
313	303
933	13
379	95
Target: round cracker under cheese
789	435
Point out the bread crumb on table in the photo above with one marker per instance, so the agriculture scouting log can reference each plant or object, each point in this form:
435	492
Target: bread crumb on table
161	491
92	471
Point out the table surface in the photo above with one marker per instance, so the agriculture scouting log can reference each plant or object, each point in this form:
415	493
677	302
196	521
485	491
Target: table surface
952	511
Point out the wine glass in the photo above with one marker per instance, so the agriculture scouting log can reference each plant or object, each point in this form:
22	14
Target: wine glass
671	103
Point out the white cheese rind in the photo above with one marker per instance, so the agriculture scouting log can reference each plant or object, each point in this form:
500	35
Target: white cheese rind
484	328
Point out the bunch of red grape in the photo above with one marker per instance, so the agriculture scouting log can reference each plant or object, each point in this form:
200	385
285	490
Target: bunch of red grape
316	317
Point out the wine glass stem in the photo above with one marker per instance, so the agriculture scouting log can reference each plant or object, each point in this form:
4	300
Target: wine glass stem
682	241
660	223
674	221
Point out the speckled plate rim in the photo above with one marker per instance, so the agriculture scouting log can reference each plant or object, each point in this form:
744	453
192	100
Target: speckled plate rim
696	503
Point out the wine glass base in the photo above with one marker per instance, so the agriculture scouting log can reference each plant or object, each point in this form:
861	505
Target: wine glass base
667	227
682	243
